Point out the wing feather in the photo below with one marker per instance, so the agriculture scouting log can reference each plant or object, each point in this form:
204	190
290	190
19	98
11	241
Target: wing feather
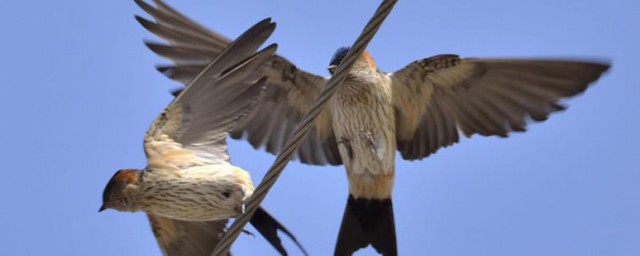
438	97
288	94
193	128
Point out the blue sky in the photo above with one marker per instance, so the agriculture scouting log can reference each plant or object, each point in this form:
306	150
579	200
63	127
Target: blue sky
80	90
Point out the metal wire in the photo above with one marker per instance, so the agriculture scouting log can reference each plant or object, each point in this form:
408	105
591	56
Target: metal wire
294	141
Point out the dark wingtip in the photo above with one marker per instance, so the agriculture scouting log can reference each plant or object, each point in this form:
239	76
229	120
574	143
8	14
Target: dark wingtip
144	22
165	70
176	92
154	46
142	4
265	20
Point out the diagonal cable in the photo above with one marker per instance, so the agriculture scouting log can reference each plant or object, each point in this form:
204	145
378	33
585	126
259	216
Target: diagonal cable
301	130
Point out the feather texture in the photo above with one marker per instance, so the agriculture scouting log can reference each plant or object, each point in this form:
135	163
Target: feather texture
288	94
439	96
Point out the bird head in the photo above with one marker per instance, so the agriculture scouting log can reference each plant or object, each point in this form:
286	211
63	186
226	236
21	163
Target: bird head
122	190
364	60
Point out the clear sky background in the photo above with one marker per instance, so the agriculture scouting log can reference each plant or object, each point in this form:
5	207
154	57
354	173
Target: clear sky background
79	91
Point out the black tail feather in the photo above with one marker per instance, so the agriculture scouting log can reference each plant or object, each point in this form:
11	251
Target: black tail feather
268	227
367	222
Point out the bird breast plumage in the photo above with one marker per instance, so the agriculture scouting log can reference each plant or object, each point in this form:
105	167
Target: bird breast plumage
202	193
364	125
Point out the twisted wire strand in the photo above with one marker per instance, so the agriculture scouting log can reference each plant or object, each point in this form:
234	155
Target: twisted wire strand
301	130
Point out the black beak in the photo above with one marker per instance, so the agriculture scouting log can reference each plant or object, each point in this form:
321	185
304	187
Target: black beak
102	208
332	69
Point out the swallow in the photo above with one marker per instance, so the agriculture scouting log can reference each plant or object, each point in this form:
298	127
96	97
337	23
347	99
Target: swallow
416	110
189	189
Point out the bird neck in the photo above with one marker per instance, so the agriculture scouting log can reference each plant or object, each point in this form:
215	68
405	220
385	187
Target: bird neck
362	73
366	58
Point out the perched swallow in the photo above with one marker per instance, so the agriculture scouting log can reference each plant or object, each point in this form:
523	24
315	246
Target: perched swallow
189	188
415	110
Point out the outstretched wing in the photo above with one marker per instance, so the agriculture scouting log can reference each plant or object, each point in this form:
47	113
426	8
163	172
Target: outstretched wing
193	128
437	97
184	238
288	94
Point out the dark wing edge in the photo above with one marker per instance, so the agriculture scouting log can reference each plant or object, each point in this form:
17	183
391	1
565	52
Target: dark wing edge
438	97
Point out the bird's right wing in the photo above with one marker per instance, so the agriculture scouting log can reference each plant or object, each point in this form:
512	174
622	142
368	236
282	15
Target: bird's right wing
193	128
437	97
288	94
185	238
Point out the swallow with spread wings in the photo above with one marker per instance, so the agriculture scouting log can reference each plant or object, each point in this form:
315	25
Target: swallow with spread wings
416	110
189	188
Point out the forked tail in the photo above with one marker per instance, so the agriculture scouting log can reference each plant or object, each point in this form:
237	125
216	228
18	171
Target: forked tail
367	222
268	227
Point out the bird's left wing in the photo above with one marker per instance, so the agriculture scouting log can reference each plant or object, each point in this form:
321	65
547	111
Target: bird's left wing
437	97
185	238
193	128
288	94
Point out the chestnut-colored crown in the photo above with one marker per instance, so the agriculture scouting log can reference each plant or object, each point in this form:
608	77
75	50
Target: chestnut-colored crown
339	55
119	180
